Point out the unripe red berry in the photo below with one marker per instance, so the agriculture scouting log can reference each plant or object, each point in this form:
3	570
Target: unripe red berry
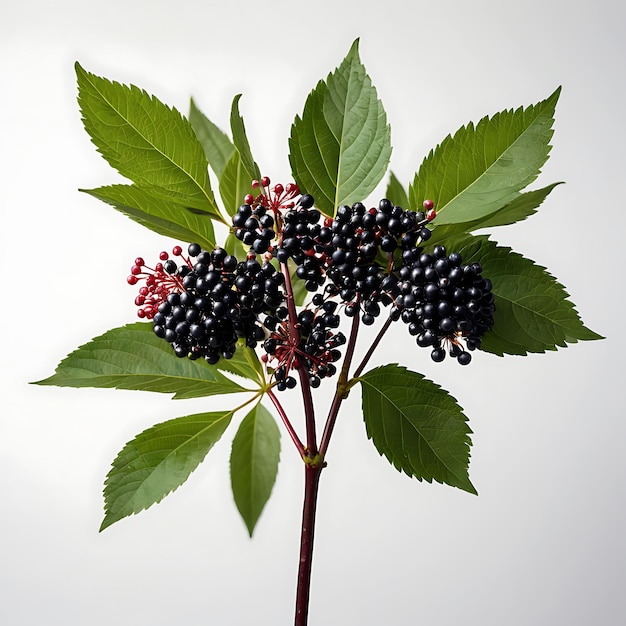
428	204
430	216
164	256
265	181
278	189
255	184
177	250
139	261
249	199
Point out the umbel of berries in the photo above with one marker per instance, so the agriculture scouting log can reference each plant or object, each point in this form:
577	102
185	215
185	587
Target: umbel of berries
276	224
203	307
314	345
365	246
448	306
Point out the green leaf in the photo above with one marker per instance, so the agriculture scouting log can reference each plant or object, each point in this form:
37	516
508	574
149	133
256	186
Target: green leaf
416	425
482	168
244	363
158	461
235	183
240	140
396	192
254	463
146	141
133	357
300	292
218	148
340	147
523	206
533	313
234	246
161	216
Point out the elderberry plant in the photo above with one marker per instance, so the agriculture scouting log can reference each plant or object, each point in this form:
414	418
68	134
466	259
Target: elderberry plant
278	304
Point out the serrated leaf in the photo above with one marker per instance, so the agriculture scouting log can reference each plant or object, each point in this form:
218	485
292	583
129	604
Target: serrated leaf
254	463
396	192
533	313
133	357
235	183
158	461
482	168
161	216
339	149
146	141
523	206
416	425
218	148
240	139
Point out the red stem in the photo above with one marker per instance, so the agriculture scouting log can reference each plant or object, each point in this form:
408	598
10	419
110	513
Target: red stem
341	392
286	422
312	474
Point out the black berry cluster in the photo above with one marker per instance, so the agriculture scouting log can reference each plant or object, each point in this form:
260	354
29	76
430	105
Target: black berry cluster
444	303
305	240
207	304
257	221
360	261
365	246
314	345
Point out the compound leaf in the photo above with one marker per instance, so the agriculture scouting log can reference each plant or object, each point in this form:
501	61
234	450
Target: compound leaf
161	216
158	461
340	147
533	313
235	183
524	205
244	363
396	192
482	168
240	139
133	357
416	425
218	148
146	141
254	463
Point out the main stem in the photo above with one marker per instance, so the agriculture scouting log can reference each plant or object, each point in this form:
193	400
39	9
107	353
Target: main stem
312	474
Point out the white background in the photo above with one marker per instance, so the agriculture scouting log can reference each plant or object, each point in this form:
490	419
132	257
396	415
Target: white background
543	542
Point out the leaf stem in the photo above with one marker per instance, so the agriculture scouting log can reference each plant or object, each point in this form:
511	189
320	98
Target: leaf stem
342	390
283	416
373	347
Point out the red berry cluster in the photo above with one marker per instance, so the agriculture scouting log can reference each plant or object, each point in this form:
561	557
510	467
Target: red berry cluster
158	281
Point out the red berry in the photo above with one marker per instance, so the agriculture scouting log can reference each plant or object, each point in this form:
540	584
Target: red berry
265	181
428	204
164	256
430	216
278	189
255	184
177	250
135	269
249	199
132	280
139	261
